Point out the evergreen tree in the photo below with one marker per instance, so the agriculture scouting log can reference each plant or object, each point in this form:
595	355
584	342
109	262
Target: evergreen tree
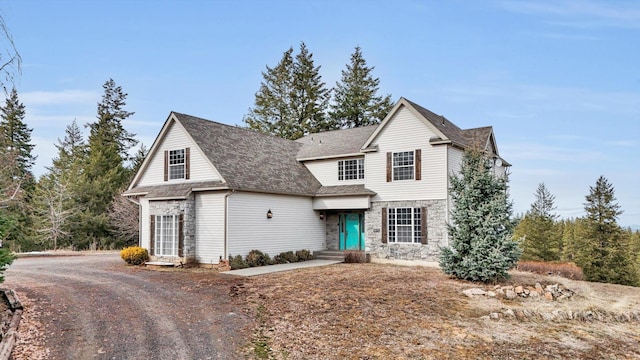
482	248
355	99
17	182
272	113
15	136
542	236
292	98
104	172
310	98
605	254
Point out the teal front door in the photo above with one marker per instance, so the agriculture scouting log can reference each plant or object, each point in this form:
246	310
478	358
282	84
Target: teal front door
351	234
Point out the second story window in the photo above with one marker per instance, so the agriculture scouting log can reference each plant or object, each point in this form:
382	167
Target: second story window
351	169
403	165
176	164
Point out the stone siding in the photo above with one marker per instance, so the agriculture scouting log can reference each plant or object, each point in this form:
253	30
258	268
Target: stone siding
333	231
436	231
177	207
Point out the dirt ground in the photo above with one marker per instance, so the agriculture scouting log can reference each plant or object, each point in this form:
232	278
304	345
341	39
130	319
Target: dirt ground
96	307
373	311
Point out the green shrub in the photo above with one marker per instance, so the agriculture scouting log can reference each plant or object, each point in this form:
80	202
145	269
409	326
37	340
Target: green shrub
285	257
258	258
134	255
304	255
236	262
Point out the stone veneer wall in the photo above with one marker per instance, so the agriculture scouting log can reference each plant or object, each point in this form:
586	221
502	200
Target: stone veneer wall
177	207
333	231
436	232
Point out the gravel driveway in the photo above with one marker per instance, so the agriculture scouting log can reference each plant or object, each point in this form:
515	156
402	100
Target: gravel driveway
95	307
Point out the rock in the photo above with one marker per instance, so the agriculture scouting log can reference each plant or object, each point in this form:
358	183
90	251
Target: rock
491	294
500	291
510	294
509	313
527	291
548	295
519	290
474	292
538	286
534	294
494	316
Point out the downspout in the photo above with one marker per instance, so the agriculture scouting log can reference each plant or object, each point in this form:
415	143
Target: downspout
226	224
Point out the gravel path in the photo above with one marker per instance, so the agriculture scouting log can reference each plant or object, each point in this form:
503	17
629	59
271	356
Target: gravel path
95	307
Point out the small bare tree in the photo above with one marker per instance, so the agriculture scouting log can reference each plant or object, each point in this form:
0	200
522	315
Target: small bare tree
124	220
10	60
53	207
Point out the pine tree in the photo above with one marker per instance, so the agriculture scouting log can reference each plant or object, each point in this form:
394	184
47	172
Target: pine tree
104	172
292	98
310	98
605	253
482	247
16	180
542	236
15	136
355	99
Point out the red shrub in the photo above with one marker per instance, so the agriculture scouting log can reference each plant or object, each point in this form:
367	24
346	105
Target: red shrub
566	270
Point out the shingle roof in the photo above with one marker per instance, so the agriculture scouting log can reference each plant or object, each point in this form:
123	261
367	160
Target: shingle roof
344	190
178	190
477	138
334	143
249	160
446	127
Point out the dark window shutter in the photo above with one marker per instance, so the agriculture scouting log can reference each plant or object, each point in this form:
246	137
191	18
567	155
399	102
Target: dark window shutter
389	168
166	165
152	234
418	164
385	225
187	162
180	235
423	226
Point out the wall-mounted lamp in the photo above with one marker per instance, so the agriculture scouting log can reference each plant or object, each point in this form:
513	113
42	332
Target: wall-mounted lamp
321	215
269	214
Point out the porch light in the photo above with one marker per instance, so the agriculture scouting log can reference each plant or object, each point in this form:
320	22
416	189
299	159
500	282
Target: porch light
321	215
269	214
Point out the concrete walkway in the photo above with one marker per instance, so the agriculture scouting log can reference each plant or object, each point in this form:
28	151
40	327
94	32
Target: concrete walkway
253	271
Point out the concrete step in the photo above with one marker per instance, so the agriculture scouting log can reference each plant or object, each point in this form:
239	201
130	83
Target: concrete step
337	255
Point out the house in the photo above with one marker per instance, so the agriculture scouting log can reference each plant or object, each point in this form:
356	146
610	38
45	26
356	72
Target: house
208	190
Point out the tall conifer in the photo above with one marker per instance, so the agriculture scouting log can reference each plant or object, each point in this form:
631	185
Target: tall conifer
355	99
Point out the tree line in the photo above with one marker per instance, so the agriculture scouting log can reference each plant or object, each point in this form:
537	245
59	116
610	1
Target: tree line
595	242
76	203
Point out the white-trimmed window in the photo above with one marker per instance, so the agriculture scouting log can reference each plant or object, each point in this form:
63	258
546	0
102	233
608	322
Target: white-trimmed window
404	225
351	169
403	165
177	162
167	234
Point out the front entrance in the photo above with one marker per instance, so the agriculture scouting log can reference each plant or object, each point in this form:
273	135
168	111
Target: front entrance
351	231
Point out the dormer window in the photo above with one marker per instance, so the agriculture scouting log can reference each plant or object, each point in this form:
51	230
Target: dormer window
351	169
176	164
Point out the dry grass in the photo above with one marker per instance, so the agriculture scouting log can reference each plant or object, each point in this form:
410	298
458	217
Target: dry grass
567	270
373	311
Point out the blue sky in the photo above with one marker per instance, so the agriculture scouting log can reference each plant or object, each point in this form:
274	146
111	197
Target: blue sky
558	80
